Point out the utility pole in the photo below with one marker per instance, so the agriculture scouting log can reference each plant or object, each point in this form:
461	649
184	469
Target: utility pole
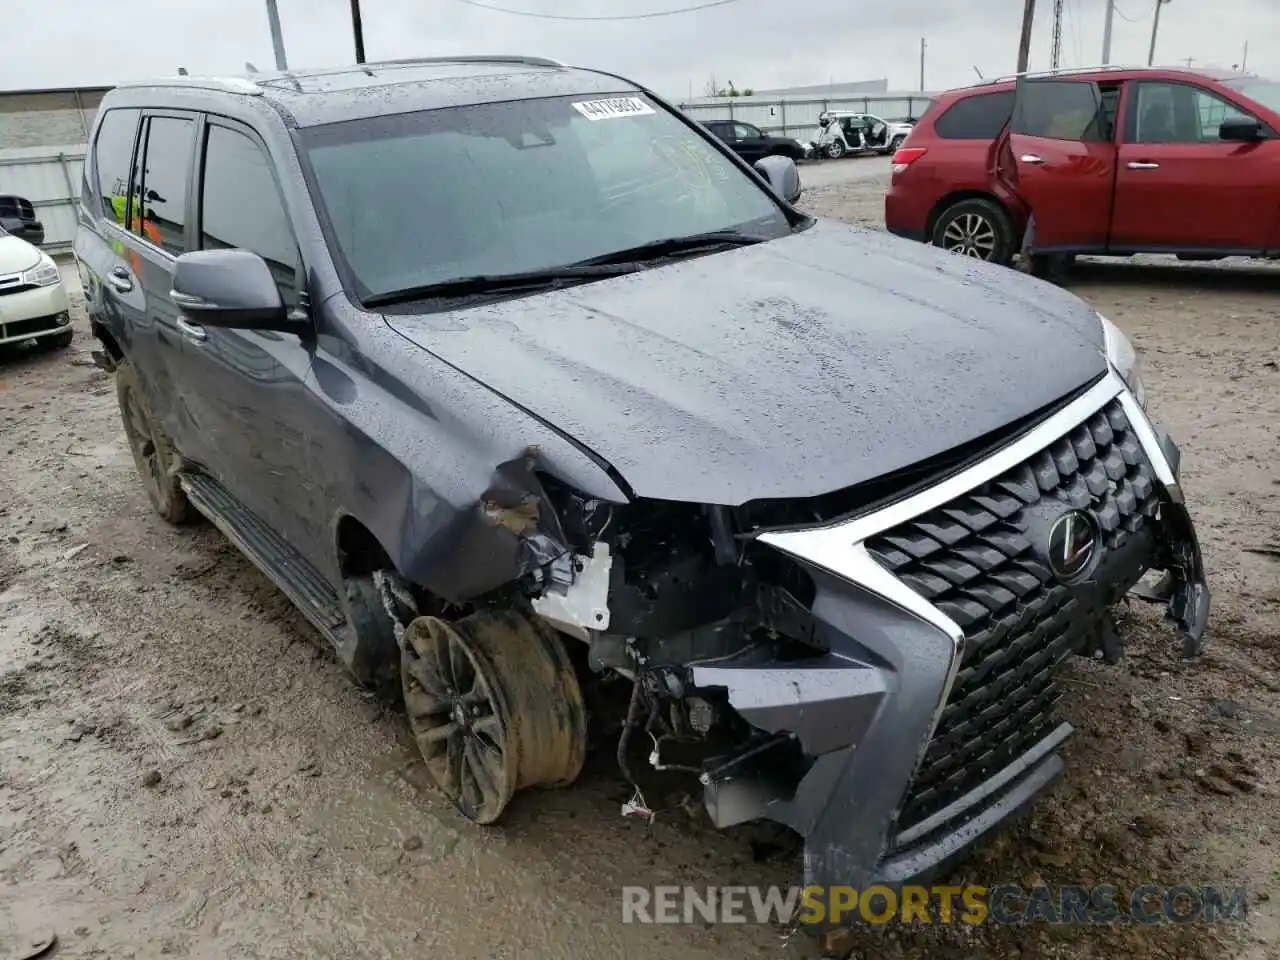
922	46
357	30
1244	60
1106	31
1024	42
277	38
1055	56
1155	29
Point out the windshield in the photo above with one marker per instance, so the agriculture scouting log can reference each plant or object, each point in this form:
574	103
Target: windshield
1266	92
493	189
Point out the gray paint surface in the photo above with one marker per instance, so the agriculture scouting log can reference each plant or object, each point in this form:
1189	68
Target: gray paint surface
785	369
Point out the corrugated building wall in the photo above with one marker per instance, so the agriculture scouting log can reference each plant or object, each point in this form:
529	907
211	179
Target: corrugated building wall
42	144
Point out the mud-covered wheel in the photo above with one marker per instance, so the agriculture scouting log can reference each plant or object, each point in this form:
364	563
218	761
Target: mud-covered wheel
494	706
153	453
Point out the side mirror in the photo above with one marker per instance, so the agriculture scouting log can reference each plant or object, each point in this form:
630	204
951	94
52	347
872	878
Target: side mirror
1240	130
782	175
229	288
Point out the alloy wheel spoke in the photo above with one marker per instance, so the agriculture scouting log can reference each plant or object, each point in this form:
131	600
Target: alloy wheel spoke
479	759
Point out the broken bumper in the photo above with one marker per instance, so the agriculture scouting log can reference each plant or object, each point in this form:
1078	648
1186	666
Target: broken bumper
930	721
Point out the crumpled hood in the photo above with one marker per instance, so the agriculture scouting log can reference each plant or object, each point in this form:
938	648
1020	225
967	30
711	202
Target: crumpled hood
784	369
16	255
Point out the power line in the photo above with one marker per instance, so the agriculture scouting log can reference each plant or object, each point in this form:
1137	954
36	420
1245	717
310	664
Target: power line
627	16
1125	16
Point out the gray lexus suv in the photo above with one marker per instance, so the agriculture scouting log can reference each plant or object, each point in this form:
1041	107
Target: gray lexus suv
550	412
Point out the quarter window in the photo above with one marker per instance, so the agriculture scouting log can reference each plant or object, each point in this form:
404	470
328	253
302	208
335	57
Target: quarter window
1179	113
240	206
160	201
978	117
744	131
112	157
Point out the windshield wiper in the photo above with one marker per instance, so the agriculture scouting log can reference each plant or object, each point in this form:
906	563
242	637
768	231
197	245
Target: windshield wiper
548	279
673	246
615	264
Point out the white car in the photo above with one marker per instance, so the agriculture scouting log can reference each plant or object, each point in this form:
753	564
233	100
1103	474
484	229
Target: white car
841	133
33	303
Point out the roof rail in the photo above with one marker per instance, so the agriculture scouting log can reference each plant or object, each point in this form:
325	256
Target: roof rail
1061	71
224	84
472	58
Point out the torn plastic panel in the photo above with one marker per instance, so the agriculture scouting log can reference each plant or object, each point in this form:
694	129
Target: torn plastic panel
799	693
511	534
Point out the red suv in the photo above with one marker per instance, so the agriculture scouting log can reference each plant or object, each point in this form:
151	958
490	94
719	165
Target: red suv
1113	161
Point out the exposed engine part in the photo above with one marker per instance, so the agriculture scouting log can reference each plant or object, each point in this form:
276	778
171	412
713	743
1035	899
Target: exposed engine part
700	714
495	707
582	605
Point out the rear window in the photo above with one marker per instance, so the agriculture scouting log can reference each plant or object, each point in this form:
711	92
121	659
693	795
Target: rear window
978	117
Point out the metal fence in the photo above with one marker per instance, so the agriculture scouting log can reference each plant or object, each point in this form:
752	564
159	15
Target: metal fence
799	117
50	178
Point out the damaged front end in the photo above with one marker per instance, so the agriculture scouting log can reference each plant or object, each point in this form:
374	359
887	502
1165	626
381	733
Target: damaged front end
882	682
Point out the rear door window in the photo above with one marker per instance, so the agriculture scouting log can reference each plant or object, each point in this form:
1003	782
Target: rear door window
113	159
1059	110
978	117
161	194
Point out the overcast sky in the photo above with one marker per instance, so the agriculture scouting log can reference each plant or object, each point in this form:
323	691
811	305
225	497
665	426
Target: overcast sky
758	43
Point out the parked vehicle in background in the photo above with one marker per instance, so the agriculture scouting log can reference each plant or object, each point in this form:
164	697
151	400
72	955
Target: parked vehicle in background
33	302
18	219
752	144
841	133
1113	161
526	390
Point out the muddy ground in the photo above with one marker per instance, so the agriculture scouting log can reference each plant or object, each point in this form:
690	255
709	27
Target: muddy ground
185	773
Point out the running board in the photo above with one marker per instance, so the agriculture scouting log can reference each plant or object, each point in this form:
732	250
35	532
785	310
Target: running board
287	569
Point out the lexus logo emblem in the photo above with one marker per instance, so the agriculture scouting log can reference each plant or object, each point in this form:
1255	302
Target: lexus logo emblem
1073	544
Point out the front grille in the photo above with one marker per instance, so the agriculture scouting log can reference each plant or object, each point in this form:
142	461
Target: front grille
25	328
973	559
13	283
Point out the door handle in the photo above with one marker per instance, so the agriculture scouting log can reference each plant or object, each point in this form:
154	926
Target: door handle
118	279
1030	158
192	331
1143	165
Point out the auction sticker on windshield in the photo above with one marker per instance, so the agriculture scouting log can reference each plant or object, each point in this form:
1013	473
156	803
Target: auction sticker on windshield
612	108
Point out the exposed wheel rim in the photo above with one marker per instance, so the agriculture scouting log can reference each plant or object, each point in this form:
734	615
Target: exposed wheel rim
970	235
835	150
494	706
458	721
142	442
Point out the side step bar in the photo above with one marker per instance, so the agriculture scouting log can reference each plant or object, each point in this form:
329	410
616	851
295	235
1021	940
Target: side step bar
302	583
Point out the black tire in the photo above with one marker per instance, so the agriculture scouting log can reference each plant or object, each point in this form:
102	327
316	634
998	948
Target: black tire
154	456
1054	267
976	228
896	143
59	341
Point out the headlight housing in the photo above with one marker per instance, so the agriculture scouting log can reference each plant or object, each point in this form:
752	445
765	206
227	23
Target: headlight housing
1124	359
43	274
